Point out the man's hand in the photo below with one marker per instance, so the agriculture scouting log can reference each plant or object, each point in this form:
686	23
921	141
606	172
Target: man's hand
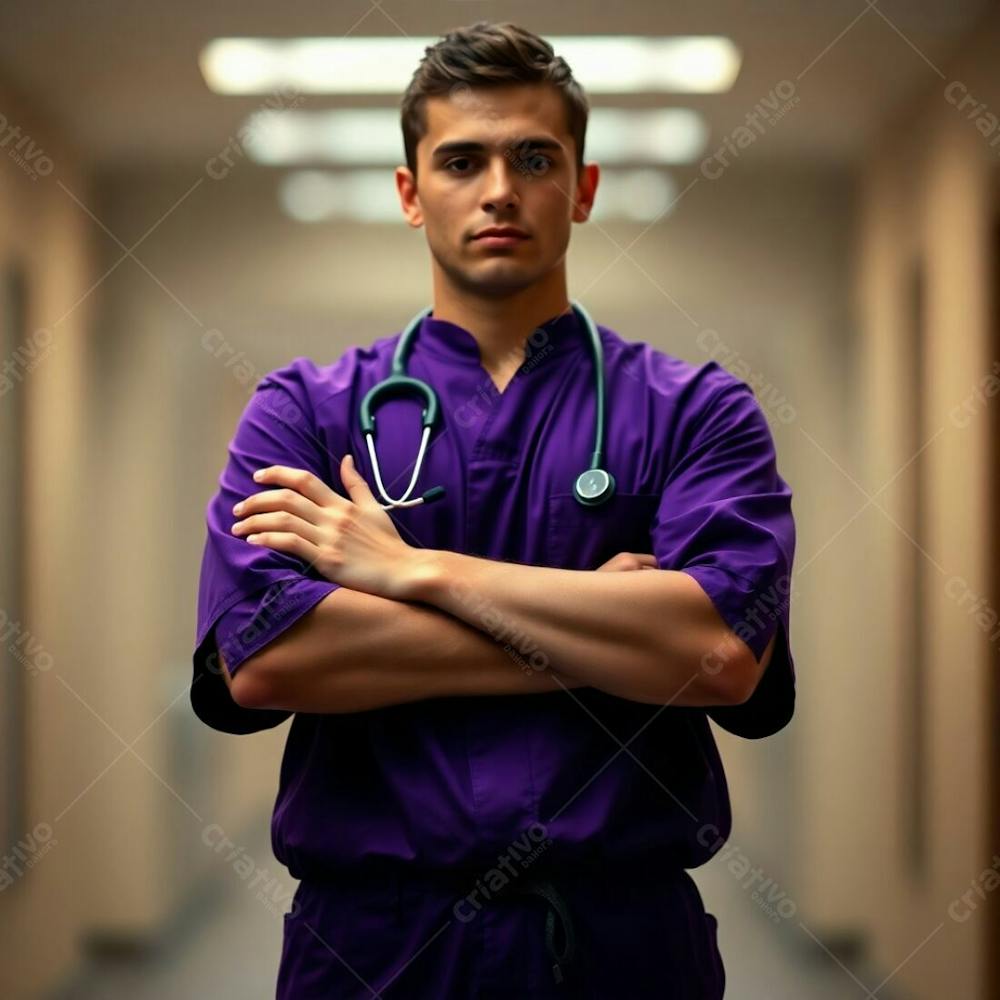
629	561
351	542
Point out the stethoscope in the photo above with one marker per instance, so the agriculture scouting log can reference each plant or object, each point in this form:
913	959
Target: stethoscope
591	488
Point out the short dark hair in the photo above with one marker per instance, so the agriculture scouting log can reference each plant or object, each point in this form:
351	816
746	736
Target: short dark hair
488	54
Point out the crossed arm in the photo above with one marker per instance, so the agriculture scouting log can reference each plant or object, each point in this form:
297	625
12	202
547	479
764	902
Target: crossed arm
409	623
475	626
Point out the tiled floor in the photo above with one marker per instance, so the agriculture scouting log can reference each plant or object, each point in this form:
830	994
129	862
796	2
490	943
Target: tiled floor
229	948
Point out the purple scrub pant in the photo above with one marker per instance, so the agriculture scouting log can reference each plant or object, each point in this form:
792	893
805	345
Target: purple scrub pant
416	936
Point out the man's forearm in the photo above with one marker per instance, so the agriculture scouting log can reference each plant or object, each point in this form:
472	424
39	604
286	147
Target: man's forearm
356	651
649	636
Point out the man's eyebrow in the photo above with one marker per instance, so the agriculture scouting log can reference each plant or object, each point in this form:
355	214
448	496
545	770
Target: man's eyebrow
470	146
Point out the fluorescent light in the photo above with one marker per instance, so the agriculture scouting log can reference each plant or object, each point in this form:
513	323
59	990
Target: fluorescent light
373	137
603	64
629	64
662	135
634	195
368	196
344	136
357	195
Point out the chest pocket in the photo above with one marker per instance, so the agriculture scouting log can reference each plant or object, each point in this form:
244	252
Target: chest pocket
579	537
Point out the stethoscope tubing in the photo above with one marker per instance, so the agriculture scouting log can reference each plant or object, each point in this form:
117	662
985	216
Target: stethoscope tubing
400	383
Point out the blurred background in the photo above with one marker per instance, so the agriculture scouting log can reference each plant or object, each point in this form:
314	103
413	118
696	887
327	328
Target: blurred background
808	193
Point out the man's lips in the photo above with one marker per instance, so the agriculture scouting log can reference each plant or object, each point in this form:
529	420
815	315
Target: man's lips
501	238
500	231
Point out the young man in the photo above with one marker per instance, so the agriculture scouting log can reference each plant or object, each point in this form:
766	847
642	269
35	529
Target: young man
500	764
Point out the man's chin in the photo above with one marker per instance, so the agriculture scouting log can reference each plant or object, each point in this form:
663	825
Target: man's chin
501	286
498	278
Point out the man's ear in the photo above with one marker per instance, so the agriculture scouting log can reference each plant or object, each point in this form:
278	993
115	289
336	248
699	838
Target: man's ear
586	191
409	199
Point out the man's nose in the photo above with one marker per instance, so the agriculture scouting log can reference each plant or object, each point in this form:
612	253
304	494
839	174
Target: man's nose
501	184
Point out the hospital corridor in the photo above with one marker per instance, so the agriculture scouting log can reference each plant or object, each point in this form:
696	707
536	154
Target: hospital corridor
782	366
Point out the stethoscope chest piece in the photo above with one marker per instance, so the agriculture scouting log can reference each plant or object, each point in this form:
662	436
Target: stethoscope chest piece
594	487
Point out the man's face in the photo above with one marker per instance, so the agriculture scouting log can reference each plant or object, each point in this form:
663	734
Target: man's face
514	165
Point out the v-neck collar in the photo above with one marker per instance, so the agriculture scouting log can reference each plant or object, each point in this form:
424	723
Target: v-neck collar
560	335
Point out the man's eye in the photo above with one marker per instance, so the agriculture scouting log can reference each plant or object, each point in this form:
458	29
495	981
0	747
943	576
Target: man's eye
535	163
458	159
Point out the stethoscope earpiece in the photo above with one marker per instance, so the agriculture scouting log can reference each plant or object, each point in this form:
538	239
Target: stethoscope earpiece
591	488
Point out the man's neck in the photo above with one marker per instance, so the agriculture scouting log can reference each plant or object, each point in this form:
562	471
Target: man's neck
501	326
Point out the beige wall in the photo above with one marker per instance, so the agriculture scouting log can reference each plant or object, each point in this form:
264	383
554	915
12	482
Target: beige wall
928	190
42	227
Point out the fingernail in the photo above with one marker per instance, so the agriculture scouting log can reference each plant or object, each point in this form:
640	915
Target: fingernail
258	474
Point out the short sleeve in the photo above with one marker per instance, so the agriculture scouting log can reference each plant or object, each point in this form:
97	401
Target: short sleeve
725	518
250	594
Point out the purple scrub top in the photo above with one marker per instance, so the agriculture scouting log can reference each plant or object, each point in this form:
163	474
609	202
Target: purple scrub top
454	782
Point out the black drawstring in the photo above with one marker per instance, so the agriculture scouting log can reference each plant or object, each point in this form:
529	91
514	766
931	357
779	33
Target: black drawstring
557	905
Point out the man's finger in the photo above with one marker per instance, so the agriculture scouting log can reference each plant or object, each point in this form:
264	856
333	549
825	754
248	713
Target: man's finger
354	483
279	520
280	499
301	480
